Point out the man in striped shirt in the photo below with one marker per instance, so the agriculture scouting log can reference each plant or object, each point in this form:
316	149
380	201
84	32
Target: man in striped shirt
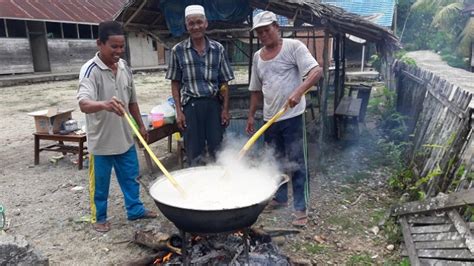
197	69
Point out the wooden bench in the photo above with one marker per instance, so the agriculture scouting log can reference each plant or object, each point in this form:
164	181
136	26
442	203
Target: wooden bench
347	115
156	134
80	149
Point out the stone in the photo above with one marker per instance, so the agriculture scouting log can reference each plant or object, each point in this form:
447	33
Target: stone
15	250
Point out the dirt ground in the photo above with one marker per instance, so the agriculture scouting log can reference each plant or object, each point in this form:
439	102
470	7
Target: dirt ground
49	203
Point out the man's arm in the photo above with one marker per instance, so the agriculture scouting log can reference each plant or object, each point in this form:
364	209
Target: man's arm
90	106
255	100
224	92
312	78
180	118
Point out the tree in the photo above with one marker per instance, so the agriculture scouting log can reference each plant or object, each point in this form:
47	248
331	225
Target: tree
457	28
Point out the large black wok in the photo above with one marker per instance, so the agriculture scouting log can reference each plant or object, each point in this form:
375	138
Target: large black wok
204	221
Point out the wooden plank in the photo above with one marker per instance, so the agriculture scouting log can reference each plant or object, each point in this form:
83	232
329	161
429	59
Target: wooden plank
463	229
410	246
428	220
437	262
349	106
450	244
440	202
437	228
437	237
459	254
413	77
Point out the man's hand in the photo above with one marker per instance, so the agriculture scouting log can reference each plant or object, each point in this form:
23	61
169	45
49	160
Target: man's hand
114	105
144	133
180	119
225	118
294	99
250	128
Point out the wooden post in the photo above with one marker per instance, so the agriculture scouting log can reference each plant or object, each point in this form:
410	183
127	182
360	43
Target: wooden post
336	75
343	59
250	47
324	93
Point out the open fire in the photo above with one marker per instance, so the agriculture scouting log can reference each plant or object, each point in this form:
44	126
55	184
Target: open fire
250	246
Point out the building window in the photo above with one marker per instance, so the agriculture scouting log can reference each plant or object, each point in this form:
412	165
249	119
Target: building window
3	32
85	31
70	31
16	28
53	30
95	32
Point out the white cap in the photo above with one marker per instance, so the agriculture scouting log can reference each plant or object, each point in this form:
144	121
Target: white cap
194	10
263	19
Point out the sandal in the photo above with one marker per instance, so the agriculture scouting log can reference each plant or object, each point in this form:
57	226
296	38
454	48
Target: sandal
101	227
301	219
275	205
146	215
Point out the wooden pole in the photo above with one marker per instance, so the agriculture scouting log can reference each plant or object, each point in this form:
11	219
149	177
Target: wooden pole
324	94
336	74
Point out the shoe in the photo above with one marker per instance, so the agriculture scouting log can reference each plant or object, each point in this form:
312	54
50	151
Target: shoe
146	215
301	219
275	205
101	227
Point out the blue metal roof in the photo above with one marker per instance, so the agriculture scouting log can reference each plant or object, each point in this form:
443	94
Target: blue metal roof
383	8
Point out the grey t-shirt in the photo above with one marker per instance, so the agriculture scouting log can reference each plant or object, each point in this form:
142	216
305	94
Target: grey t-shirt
278	77
107	133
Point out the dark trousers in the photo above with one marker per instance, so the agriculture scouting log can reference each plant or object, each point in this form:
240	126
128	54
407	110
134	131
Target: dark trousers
287	138
203	128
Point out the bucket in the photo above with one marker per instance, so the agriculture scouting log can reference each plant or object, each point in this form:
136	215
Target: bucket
157	119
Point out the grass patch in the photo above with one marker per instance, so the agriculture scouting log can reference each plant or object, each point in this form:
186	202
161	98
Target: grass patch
361	259
376	216
357	177
312	248
345	222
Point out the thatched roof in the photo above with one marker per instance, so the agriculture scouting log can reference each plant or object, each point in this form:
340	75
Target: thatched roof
145	15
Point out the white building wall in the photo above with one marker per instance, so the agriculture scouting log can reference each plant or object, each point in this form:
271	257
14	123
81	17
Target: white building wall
15	55
141	50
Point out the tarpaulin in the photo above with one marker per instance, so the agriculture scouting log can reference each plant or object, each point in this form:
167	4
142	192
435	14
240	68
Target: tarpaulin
234	11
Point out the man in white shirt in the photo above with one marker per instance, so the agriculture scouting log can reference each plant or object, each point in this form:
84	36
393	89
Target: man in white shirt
282	71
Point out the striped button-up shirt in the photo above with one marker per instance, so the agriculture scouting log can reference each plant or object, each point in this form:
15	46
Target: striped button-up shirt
199	76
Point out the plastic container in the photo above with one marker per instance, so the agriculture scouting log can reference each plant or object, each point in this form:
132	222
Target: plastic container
157	119
168	112
145	120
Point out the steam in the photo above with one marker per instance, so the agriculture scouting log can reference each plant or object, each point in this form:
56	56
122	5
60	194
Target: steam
257	159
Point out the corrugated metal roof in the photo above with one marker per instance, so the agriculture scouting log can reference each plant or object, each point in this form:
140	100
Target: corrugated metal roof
380	10
77	11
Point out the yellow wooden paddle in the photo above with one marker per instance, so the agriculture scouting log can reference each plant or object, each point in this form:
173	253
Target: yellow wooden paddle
259	132
152	155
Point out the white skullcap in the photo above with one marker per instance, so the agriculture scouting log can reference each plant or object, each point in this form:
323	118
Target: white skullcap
194	10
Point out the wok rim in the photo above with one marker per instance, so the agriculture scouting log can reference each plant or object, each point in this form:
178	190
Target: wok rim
162	179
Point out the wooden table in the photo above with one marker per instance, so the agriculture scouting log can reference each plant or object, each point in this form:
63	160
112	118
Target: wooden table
156	134
347	115
79	149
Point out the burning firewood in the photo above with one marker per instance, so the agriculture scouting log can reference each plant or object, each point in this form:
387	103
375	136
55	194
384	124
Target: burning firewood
158	241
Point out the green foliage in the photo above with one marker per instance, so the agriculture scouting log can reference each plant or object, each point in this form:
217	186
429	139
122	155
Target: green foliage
437	25
376	61
392	231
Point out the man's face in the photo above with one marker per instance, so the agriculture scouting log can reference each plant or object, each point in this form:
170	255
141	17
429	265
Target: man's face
268	35
112	49
196	25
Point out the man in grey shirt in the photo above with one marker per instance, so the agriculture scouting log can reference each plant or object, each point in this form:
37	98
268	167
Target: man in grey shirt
278	71
105	91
